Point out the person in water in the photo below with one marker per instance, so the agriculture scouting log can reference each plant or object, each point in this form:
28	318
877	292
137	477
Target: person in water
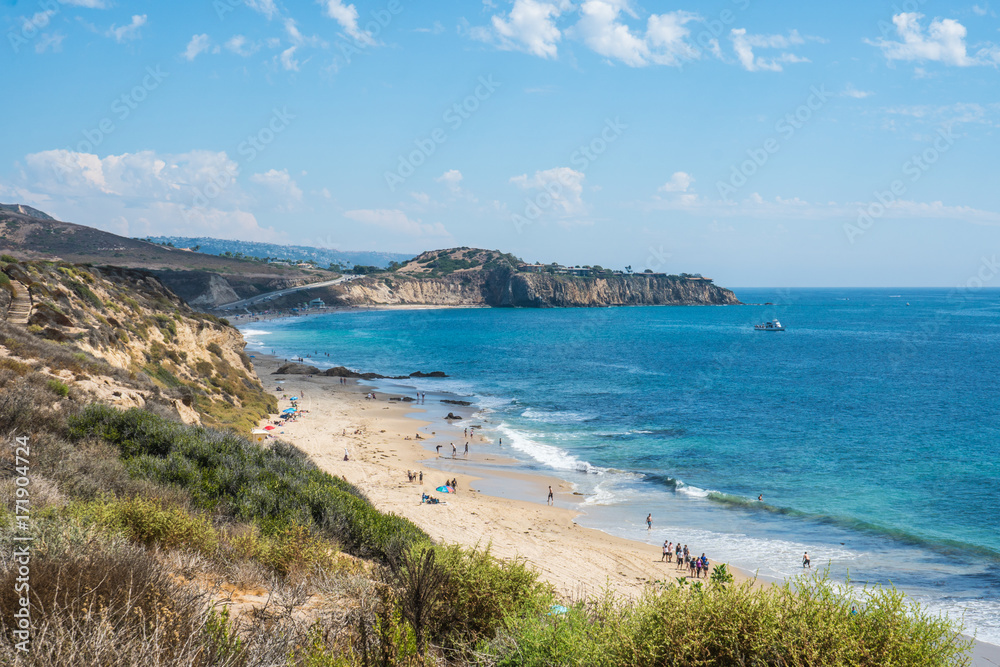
805	560
649	521
551	499
760	497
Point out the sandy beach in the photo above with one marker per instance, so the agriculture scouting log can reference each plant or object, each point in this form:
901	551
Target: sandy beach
380	438
511	516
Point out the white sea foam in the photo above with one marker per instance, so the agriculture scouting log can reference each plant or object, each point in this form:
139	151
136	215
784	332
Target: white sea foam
692	491
548	455
555	416
255	332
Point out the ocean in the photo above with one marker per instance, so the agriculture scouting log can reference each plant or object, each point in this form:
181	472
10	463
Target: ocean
870	426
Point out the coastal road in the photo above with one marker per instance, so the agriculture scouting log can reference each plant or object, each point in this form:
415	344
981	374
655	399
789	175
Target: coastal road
267	296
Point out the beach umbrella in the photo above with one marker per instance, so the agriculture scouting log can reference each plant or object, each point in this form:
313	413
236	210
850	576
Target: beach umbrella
294	398
268	428
287	410
444	489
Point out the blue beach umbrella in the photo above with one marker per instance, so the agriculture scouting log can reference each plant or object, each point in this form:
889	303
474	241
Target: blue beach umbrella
287	410
294	398
444	489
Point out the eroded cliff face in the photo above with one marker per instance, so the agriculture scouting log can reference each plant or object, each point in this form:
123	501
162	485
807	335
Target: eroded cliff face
507	288
130	321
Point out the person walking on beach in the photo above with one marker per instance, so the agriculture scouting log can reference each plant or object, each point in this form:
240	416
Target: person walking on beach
421	476
438	448
649	521
466	449
454	450
666	552
677	552
805	560
551	499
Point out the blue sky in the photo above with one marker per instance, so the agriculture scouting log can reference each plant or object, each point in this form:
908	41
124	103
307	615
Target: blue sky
777	143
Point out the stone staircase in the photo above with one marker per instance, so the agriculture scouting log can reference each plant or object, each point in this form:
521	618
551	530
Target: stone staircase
20	308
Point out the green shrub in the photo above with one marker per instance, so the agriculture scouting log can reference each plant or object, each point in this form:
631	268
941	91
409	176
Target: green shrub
483	592
275	487
284	551
58	388
86	294
8	258
808	621
145	521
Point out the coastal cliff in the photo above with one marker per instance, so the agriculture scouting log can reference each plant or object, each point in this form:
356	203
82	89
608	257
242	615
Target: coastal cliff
484	278
504	288
119	336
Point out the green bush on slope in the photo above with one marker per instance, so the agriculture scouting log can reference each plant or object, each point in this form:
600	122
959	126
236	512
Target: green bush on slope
274	487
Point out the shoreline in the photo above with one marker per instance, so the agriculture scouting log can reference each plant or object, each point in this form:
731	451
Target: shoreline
496	504
510	515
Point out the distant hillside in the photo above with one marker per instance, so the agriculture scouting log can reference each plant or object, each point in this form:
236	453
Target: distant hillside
202	280
490	278
323	257
26	210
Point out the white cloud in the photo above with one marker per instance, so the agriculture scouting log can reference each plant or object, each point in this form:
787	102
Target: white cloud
49	41
452	179
396	221
198	44
979	11
667	36
186	194
851	91
280	185
436	29
265	7
529	27
744	44
241	46
563	185
943	41
89	4
347	17
127	32
603	33
288	61
757	207
421	197
679	182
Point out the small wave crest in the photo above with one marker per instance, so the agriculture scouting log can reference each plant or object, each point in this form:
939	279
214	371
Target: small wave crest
555	416
548	455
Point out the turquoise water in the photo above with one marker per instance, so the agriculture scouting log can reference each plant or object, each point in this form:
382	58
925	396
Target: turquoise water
871	426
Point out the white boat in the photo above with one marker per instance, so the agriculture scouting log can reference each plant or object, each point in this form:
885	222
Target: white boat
769	326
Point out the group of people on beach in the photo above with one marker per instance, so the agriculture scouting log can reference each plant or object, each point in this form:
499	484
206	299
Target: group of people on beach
415	476
696	565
